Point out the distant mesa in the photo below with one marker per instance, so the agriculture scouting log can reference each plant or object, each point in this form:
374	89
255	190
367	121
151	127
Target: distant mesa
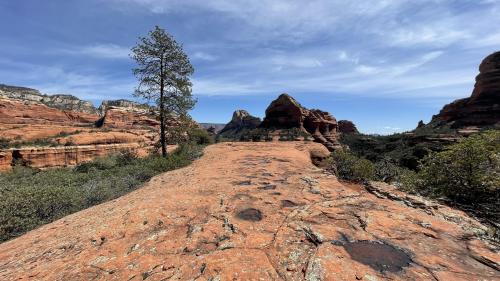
125	113
286	113
482	108
347	127
241	122
60	101
126	105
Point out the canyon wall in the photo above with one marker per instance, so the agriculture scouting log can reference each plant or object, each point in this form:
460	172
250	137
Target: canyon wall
49	157
43	131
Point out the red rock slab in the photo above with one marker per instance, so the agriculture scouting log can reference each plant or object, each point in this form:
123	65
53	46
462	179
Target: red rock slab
213	220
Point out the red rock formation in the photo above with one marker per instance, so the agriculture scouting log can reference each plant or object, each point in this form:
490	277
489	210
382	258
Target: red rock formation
483	107
17	112
241	121
286	113
5	160
347	127
92	138
48	157
34	122
119	117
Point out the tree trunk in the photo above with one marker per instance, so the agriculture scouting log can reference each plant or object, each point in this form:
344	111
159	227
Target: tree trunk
162	115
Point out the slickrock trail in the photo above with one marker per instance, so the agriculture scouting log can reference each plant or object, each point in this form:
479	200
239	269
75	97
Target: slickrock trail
255	211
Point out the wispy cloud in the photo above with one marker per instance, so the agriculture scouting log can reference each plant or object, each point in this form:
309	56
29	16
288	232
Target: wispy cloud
104	51
92	84
204	56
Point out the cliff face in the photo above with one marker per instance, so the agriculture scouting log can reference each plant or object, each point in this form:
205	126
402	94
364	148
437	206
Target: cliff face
286	113
241	121
50	157
15	111
62	102
482	108
124	117
51	131
124	105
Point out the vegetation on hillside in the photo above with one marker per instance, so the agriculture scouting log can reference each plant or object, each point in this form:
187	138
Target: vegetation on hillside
405	150
466	173
32	197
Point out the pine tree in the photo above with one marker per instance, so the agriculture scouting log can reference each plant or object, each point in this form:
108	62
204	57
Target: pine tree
163	71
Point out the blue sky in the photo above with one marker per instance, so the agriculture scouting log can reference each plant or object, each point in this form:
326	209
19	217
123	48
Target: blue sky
384	64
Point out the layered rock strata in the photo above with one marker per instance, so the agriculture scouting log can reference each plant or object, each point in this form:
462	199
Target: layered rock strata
50	157
59	101
31	124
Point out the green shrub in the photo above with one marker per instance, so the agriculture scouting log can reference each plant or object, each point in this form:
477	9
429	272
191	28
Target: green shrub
468	171
255	135
31	197
386	170
348	166
4	143
405	150
406	180
200	136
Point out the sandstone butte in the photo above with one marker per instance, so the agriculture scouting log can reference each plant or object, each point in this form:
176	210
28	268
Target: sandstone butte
482	108
286	113
256	211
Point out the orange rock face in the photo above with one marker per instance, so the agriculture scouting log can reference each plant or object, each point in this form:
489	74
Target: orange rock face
123	118
49	157
17	112
255	211
33	128
92	138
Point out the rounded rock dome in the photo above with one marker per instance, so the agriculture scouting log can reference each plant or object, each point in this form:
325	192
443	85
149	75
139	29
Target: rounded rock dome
490	63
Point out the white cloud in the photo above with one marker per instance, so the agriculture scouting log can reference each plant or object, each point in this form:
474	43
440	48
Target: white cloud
366	69
430	33
204	56
400	23
56	79
345	56
282	62
106	51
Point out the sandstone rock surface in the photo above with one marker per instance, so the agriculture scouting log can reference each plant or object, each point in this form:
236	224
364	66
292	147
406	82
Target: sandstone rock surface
50	157
19	112
124	104
240	122
482	108
286	113
123	117
255	211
